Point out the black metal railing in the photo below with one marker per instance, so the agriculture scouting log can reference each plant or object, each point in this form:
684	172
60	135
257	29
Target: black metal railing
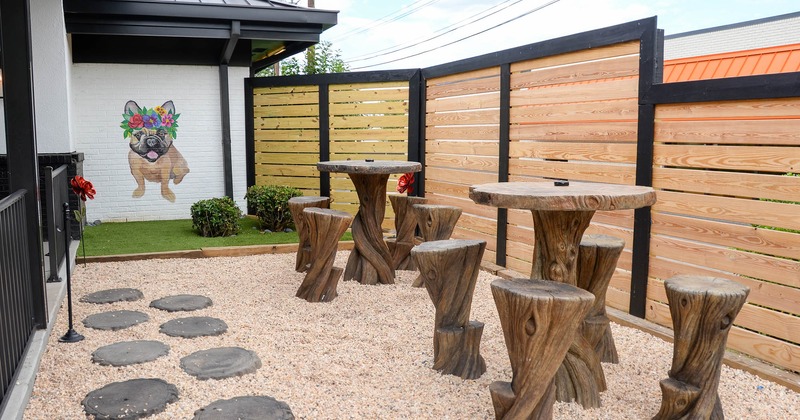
55	194
16	299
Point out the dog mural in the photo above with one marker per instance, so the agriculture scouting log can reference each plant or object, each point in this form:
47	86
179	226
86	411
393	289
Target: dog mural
153	157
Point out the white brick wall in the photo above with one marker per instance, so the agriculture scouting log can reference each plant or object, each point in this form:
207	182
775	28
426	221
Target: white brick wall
746	37
100	92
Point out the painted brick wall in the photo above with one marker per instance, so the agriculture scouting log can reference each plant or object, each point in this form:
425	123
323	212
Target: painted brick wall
100	92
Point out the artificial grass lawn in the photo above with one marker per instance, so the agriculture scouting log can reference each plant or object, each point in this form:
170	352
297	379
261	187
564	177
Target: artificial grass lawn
172	235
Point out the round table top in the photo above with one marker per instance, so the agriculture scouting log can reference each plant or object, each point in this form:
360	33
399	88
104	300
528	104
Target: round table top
545	195
369	166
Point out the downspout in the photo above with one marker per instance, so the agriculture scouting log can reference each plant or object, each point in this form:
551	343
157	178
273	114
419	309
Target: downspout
225	105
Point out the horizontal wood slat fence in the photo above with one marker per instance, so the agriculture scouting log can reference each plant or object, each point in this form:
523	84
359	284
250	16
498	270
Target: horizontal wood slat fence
723	156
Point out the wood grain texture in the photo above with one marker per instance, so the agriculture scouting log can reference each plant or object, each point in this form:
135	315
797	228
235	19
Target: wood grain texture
436	223
597	260
464	103
741	184
776	132
296	207
703	310
539	321
780	108
732	158
325	227
363	167
612	110
579	171
450	270
615	50
602	131
580	196
405	225
624	66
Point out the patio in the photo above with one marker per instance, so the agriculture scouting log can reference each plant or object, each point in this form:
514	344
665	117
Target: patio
332	360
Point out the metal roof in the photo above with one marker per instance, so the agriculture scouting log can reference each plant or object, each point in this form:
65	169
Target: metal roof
782	59
192	31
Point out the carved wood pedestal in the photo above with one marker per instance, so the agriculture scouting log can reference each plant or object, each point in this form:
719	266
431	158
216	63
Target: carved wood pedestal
296	206
703	310
370	261
561	213
540	319
597	260
405	225
436	223
325	227
450	270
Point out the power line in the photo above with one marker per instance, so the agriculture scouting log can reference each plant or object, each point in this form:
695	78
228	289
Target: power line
409	45
462	39
386	19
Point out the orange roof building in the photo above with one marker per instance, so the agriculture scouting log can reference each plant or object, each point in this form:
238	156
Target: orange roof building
781	59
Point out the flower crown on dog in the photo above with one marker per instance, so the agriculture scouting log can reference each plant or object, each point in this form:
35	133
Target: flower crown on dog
157	117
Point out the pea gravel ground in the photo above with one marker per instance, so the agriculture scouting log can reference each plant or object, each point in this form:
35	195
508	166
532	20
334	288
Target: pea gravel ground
366	355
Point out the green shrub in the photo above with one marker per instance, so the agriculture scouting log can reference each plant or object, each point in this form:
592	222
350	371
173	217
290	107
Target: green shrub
216	217
271	205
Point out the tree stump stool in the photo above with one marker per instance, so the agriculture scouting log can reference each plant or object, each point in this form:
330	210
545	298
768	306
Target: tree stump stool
436	223
325	227
540	320
450	269
296	206
405	225
597	260
703	310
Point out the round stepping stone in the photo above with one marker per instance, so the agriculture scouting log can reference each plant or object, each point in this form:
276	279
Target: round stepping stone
245	408
181	303
194	326
129	353
113	295
131	399
115	320
220	363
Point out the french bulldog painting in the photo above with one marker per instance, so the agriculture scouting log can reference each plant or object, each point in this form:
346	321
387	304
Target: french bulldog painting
153	157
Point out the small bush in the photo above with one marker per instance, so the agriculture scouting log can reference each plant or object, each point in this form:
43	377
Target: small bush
216	217
271	205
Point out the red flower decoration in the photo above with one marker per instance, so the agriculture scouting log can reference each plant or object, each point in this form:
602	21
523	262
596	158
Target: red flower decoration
136	121
404	184
82	188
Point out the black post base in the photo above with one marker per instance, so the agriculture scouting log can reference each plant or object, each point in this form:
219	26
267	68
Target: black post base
71	337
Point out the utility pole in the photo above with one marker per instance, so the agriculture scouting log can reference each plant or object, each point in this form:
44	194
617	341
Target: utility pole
311	57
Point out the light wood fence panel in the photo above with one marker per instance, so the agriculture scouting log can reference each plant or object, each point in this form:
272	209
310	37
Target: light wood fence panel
574	116
367	121
462	147
286	124
728	207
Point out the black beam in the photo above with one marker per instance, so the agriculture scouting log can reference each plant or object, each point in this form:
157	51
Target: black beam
336	78
504	147
15	45
225	108
230	44
249	126
649	55
324	138
423	115
415	118
770	86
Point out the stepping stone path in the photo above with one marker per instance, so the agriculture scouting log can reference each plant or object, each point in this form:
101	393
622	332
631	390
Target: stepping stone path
139	398
181	303
220	363
129	353
131	399
115	320
194	326
113	295
251	407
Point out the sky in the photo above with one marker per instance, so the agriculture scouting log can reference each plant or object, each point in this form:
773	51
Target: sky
369	31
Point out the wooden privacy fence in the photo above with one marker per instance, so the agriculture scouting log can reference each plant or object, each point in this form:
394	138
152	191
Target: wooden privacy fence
338	117
587	107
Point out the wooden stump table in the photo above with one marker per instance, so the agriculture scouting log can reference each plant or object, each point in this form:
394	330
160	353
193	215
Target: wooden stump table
405	225
325	227
450	270
296	206
703	310
540	320
436	223
370	261
597	260
561	213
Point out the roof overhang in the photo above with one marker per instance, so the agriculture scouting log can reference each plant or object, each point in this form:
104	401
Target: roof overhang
254	33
